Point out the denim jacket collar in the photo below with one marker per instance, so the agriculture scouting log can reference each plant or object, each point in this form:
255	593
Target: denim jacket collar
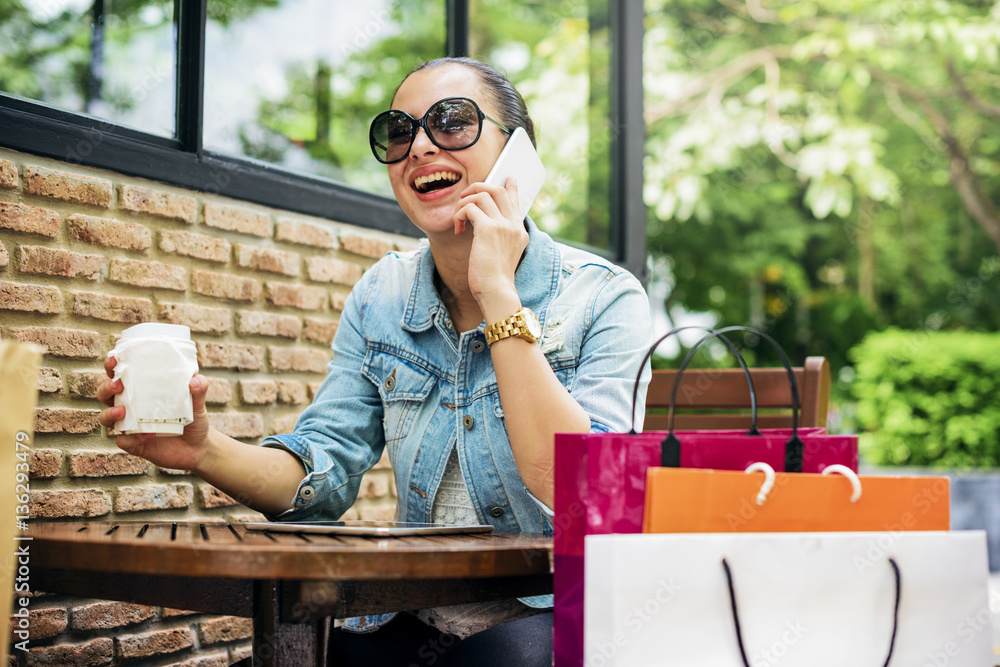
535	287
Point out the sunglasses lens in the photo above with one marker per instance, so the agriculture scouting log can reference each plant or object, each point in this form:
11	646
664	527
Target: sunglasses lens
454	124
391	135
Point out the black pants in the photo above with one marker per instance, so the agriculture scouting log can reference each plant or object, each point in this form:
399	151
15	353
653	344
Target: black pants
405	641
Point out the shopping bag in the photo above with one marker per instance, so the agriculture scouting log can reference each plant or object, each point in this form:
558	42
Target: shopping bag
600	484
716	501
18	396
819	599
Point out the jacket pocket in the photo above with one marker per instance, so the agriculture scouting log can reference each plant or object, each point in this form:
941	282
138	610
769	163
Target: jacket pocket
403	386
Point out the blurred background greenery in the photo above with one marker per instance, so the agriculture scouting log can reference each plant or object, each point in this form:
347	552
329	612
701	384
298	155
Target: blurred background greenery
823	170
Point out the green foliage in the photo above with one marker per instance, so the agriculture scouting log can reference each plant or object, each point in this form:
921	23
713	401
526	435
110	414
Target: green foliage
800	172
929	398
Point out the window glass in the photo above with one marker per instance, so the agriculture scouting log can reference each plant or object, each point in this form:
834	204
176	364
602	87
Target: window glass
296	83
558	56
114	59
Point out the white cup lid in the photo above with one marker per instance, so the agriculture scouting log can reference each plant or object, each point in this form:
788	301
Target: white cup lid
178	331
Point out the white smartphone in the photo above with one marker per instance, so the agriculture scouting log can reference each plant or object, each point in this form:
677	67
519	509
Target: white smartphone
519	159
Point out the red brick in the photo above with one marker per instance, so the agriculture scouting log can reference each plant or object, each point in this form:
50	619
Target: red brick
78	503
225	629
298	359
44	623
62	342
29	219
157	642
296	296
158	202
256	323
237	424
320	331
238	653
366	246
68	187
171	613
49	380
313	389
283	424
303	233
270	260
147	274
237	219
109	233
210	497
105	464
65	420
230	355
220	392
95	652
8	174
200	319
383	462
30	298
291	391
45	463
338	300
257	392
127	309
55	262
194	245
4	256
329	270
85	383
225	286
107	615
154	497
374	486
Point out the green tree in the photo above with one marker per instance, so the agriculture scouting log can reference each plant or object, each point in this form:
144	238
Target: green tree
824	168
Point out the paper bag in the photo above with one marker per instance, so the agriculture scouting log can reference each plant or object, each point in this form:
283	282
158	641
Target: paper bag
716	501
817	599
18	396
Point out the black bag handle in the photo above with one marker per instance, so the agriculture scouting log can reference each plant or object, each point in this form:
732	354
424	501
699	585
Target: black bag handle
656	343
670	455
739	633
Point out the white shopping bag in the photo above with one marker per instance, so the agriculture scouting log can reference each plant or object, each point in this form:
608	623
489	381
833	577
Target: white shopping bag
814	599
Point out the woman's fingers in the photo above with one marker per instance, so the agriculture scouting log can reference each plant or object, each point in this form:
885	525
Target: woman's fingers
108	417
109	366
107	390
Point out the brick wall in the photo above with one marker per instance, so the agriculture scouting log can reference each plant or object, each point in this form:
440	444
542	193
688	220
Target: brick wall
85	254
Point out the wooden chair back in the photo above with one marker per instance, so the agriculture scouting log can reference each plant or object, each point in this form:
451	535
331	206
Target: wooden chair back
720	398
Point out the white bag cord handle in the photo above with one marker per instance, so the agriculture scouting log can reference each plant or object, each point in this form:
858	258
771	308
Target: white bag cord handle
739	632
768	484
849	474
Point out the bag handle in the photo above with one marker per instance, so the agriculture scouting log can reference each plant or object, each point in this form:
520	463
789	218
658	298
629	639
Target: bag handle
649	354
739	633
671	446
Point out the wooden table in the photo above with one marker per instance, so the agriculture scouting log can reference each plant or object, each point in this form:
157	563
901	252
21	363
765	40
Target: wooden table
291	584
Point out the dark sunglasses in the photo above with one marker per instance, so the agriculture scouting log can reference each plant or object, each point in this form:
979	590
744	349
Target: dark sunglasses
452	124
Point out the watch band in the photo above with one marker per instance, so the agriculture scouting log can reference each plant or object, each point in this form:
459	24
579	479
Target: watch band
515	325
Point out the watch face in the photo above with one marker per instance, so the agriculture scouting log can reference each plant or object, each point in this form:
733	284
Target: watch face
531	322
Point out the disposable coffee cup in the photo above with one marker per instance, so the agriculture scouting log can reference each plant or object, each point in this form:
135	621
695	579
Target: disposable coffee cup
155	365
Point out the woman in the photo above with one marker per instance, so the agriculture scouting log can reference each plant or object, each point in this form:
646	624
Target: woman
439	358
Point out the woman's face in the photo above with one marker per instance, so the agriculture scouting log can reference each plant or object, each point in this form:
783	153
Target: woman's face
433	210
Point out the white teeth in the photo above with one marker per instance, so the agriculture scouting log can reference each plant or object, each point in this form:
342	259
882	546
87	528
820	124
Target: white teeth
436	176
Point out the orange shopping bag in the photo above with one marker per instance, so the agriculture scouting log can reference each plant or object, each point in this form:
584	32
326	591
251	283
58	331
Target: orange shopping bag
684	500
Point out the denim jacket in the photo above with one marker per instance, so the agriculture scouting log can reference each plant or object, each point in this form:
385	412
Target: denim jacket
402	378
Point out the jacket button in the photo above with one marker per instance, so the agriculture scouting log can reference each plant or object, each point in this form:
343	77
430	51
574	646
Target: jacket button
389	383
497	512
307	492
468	422
478	346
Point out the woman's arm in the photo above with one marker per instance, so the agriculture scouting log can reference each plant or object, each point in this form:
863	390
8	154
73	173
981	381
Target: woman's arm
262	478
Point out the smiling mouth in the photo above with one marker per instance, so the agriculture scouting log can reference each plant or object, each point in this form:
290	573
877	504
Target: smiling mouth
435	181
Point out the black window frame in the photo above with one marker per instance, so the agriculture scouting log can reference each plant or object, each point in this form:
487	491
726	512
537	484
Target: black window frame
39	129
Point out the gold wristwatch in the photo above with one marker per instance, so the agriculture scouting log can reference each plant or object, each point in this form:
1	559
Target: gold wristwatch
522	324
